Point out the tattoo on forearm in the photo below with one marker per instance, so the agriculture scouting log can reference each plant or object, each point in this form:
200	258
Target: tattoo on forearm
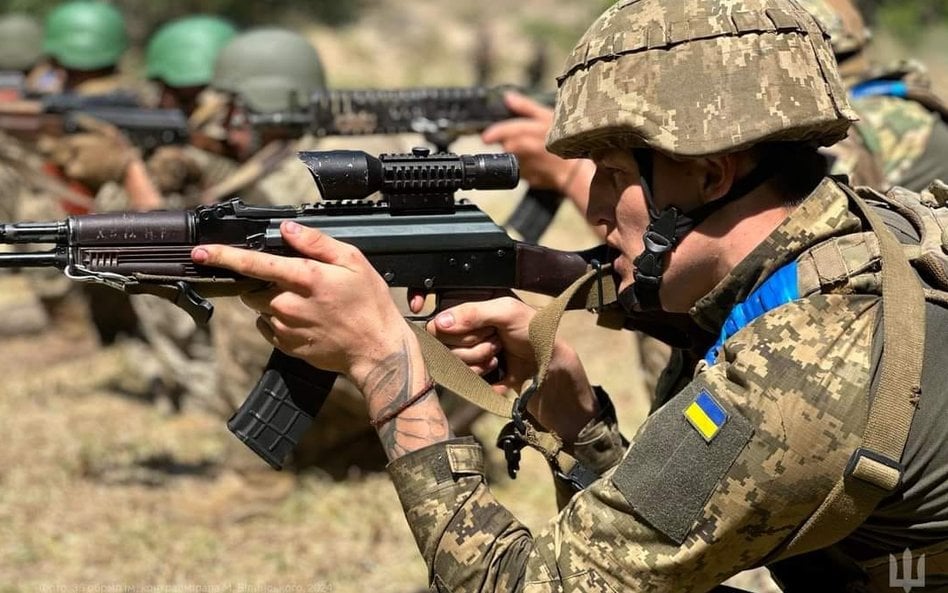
391	381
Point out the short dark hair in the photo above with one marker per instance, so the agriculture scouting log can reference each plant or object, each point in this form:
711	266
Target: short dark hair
799	168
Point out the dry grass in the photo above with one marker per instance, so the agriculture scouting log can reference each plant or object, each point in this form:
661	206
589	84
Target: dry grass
101	490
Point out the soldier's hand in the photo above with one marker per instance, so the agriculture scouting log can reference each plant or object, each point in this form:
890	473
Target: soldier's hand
526	138
328	307
173	169
480	332
91	158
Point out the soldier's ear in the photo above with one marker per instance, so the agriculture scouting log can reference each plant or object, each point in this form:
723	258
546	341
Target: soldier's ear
717	174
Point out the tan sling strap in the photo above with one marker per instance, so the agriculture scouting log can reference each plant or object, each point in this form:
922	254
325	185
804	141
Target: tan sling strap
593	290
449	372
874	470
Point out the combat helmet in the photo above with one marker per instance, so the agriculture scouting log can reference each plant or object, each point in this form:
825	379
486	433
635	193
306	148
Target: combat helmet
21	42
699	77
270	69
182	52
848	33
85	35
695	78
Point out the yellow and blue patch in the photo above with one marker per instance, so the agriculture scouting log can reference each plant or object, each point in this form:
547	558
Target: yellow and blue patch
706	415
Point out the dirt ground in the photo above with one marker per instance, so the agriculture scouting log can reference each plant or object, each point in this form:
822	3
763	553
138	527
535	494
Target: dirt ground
105	491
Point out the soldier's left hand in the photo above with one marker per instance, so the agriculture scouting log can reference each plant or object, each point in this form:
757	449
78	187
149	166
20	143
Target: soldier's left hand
329	306
91	158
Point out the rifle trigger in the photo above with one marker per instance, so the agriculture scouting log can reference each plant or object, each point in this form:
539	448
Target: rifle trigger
198	307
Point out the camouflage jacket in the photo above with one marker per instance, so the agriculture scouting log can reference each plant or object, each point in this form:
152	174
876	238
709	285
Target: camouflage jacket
715	480
902	124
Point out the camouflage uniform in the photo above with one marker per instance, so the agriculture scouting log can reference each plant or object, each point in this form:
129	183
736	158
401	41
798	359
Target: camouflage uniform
908	137
672	513
902	137
697	498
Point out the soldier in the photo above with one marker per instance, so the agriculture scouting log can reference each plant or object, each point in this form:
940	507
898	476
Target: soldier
180	58
84	41
902	123
266	71
792	435
21	48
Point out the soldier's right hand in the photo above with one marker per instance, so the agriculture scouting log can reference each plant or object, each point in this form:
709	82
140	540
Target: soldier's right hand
479	333
525	137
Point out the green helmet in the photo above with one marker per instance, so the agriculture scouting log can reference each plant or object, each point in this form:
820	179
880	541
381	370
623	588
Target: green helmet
699	77
21	42
182	53
269	69
84	35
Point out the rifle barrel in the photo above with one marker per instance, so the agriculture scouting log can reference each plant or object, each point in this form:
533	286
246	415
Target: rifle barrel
34	232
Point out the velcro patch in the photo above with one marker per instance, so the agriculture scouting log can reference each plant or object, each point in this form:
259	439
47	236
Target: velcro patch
673	466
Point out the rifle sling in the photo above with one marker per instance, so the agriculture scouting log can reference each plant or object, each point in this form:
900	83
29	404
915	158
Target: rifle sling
450	373
874	471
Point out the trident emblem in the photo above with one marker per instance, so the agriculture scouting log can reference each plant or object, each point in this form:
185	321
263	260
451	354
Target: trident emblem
906	581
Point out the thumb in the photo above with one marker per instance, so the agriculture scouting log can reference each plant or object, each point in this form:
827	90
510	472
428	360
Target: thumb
317	245
468	317
524	106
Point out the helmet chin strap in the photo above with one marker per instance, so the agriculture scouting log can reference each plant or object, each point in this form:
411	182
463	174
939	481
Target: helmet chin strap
666	229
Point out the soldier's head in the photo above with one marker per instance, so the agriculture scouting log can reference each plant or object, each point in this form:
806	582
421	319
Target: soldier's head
848	33
180	58
701	115
85	39
266	71
21	43
21	49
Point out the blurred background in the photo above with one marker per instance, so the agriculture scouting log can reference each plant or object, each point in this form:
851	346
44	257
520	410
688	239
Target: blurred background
100	491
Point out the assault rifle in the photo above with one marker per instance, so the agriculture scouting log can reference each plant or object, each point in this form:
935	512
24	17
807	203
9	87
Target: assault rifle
441	115
417	236
57	115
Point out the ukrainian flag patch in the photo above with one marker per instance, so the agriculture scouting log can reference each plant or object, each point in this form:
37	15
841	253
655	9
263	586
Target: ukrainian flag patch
706	415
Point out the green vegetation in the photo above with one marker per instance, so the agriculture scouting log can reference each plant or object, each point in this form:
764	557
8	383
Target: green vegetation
144	17
904	18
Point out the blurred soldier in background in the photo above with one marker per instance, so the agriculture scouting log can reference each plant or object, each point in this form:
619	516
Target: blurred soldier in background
21	49
21	40
84	41
267	71
902	122
180	59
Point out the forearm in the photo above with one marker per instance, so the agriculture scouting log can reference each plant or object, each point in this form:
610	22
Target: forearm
389	385
566	402
468	540
142	192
